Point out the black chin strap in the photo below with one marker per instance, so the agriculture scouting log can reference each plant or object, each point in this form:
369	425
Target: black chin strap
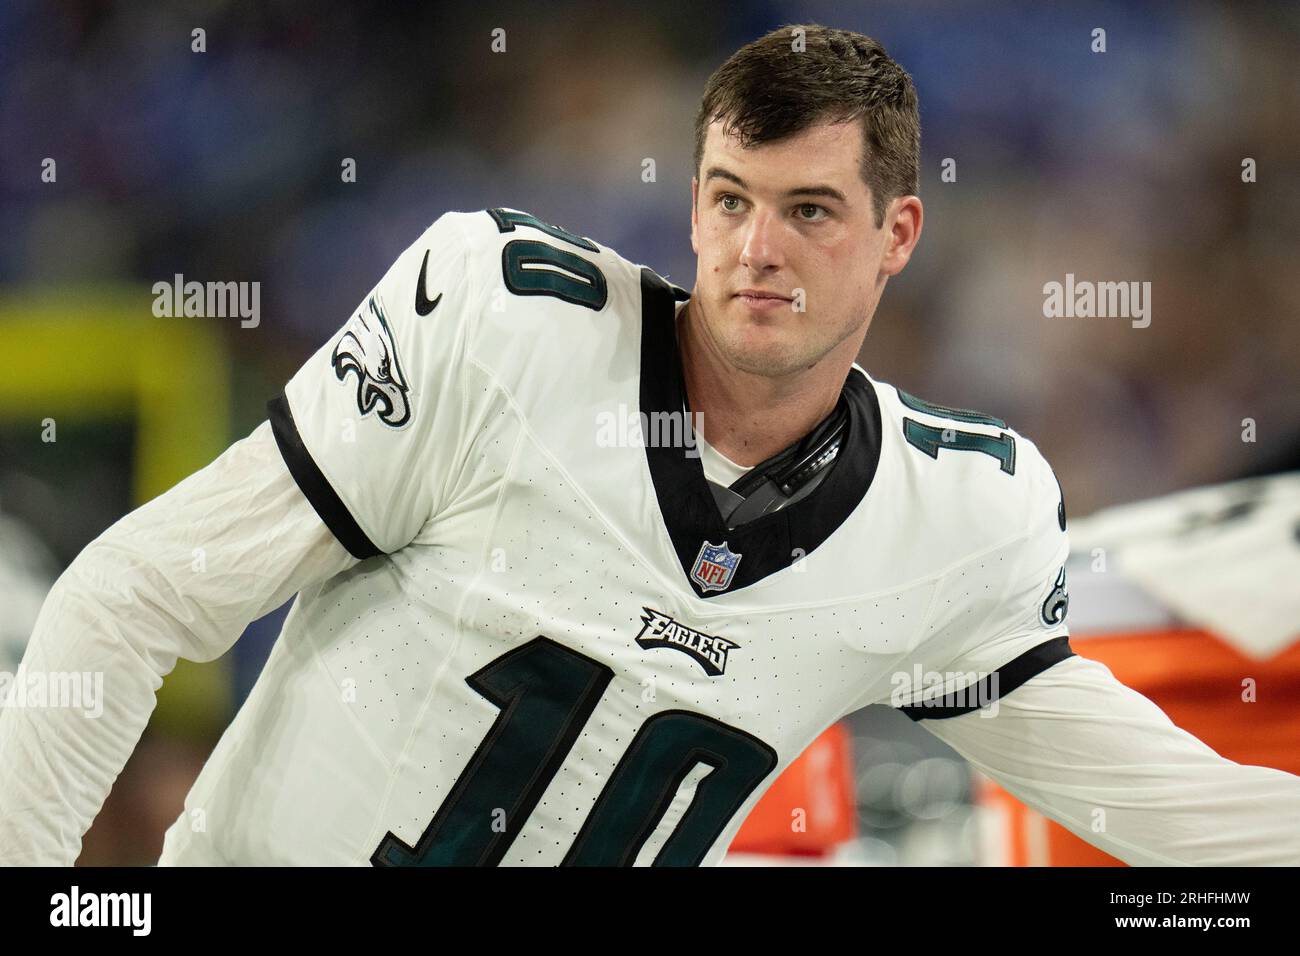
787	476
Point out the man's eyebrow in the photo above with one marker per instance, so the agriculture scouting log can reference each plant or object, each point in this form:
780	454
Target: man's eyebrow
830	192
717	172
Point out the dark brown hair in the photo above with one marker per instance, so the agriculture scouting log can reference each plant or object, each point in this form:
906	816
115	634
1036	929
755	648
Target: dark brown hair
770	89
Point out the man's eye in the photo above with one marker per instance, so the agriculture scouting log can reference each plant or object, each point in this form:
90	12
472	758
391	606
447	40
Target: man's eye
811	212
728	198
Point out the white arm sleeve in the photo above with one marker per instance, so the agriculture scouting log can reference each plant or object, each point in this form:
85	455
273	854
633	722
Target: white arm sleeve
181	576
1073	741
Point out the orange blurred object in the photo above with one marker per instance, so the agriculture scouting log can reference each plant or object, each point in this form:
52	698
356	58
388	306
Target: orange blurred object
810	809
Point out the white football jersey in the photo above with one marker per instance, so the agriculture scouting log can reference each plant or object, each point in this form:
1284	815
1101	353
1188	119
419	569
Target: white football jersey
553	650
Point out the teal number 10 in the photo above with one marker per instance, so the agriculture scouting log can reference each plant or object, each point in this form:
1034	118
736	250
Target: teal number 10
546	694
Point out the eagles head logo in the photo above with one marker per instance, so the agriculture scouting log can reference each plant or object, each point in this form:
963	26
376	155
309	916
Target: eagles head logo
367	348
1057	603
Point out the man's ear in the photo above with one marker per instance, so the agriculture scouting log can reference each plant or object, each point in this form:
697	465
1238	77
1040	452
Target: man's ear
695	213
907	215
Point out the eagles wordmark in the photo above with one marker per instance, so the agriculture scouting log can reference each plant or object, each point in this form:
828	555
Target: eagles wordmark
708	650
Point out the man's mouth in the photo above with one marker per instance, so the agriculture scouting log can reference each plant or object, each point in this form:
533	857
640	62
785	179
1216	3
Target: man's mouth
761	300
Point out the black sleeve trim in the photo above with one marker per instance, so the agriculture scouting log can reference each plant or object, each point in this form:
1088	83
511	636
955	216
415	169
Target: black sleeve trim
313	483
1010	676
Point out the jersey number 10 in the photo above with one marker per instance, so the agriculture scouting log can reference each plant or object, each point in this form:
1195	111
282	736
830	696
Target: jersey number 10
546	694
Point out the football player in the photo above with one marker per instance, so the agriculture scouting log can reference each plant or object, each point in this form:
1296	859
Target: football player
584	560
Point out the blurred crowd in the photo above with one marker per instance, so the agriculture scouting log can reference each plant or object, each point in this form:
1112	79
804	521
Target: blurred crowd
1122	165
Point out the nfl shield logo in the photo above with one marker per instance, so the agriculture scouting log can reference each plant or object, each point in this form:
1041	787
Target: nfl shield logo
715	566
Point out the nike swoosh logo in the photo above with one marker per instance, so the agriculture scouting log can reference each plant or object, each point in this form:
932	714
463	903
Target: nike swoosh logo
422	304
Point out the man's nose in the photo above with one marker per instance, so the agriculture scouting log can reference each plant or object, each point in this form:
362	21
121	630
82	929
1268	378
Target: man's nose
762	249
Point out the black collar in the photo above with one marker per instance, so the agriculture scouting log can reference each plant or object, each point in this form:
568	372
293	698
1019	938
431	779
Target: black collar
774	541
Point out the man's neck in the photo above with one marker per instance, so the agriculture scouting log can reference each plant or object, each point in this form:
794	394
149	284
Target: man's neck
748	417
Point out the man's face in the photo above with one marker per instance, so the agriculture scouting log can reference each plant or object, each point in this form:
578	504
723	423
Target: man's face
791	220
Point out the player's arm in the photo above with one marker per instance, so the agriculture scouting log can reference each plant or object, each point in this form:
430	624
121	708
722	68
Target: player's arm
350	465
1063	735
1109	765
181	576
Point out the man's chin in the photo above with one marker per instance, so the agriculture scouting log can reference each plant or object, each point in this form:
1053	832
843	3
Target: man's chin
764	351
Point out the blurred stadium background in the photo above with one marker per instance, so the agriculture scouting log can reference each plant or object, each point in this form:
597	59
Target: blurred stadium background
226	165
